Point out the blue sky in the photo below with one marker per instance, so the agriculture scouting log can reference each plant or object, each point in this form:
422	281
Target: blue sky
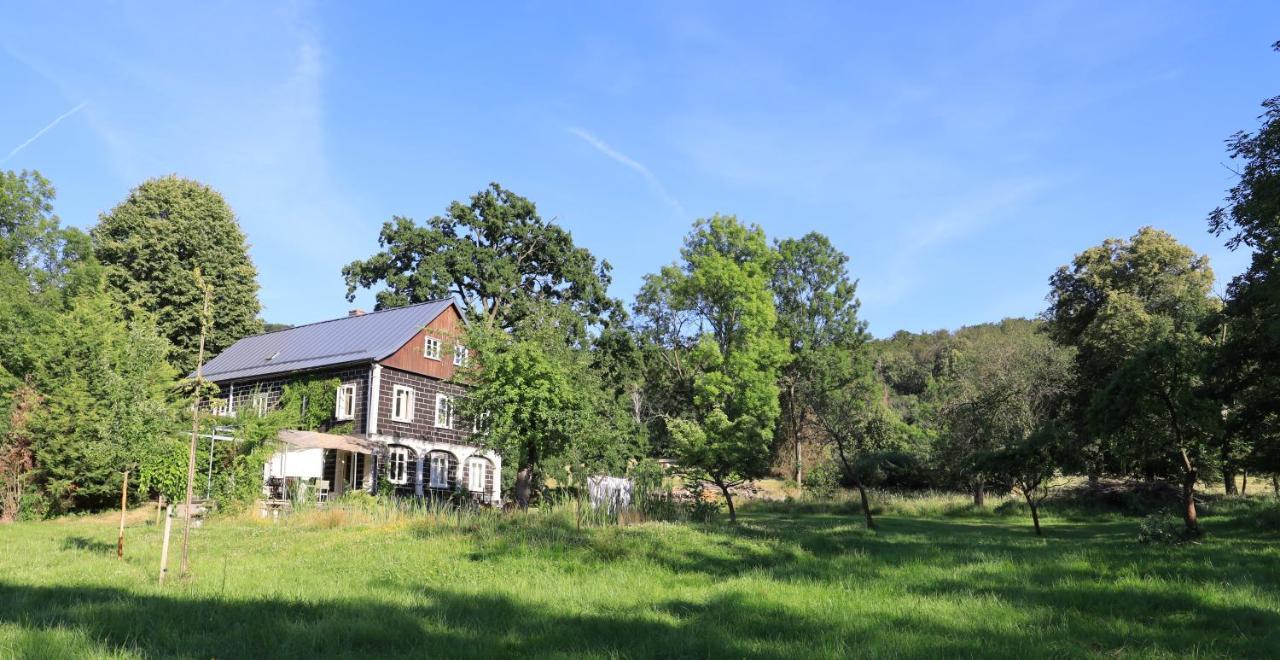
958	152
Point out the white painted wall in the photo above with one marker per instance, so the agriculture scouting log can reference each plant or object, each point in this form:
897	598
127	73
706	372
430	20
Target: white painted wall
462	452
303	463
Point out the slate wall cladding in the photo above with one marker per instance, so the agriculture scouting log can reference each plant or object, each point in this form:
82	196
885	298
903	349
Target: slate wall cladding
272	387
423	426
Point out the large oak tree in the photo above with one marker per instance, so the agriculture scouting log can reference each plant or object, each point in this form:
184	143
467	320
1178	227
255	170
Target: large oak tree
495	254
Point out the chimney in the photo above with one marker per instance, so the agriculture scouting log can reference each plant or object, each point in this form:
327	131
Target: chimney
355	312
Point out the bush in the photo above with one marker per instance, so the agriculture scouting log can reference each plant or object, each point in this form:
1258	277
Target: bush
822	481
1164	529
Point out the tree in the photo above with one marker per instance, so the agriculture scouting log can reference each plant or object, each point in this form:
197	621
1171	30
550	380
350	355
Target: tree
1247	366
27	222
817	308
1136	312
1011	386
105	384
1008	383
16	458
721	433
151	244
496	255
530	396
847	401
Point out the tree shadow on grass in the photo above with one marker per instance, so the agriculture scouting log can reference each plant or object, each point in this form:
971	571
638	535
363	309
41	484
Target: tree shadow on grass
445	623
92	546
461	624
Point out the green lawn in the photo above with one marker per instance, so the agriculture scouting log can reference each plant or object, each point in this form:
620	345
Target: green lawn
777	585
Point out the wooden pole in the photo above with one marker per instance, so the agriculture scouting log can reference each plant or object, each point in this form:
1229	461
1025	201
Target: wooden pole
164	547
124	500
195	421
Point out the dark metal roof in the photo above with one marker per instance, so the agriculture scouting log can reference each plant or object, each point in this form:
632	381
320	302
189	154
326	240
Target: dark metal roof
370	337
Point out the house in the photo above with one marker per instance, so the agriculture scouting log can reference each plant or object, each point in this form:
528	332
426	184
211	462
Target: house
394	414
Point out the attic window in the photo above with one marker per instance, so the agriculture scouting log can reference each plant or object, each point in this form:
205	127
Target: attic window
431	348
273	356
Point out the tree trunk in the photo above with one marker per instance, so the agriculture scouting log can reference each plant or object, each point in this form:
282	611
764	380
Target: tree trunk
1275	485
866	505
728	499
795	431
524	486
1035	513
979	494
799	463
1189	501
1228	476
1244	483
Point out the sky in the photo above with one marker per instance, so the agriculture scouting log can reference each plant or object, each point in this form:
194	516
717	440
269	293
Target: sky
957	152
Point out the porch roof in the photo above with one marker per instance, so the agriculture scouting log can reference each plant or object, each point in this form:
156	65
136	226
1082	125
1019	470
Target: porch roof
316	439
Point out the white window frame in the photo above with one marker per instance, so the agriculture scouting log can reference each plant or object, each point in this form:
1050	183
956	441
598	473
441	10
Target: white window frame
438	475
480	422
460	355
398	465
345	406
444	404
475	476
259	403
431	348
405	415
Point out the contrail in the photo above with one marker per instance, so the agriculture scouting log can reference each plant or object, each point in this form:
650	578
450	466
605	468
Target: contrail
626	161
44	130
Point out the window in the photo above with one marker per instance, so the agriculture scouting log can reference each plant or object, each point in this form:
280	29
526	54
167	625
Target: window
459	355
439	470
431	348
401	404
475	477
444	412
480	423
259	403
398	465
346	408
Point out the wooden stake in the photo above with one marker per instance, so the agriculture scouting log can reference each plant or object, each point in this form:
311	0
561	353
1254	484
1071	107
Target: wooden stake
164	547
124	503
195	419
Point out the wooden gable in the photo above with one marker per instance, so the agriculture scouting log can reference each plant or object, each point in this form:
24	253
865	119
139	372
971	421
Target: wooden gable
448	329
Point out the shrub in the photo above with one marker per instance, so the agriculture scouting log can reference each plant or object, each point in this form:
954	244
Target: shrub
822	481
1164	529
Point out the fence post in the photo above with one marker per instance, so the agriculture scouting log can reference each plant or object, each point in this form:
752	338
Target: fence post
164	547
124	502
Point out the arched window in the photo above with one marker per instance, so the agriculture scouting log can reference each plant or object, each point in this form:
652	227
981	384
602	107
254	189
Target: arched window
399	460
442	463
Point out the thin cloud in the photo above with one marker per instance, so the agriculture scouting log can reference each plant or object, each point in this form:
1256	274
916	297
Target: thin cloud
44	130
630	163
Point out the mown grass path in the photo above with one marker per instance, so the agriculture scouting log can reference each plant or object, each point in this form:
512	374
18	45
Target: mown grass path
777	585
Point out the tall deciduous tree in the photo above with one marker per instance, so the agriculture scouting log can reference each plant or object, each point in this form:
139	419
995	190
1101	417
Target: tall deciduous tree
1136	311
495	254
154	240
713	314
1248	364
817	308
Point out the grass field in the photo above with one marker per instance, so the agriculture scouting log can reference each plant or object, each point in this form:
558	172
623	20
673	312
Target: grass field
786	582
